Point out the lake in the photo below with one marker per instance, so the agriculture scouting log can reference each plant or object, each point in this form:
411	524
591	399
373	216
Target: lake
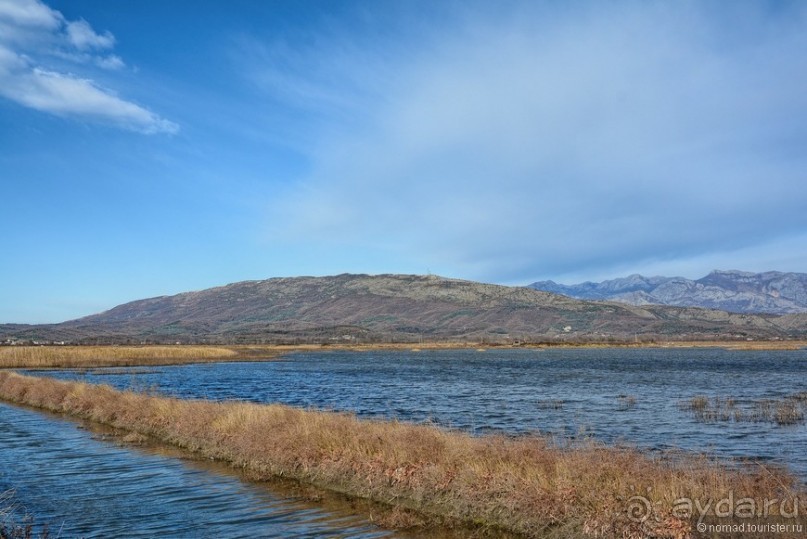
633	396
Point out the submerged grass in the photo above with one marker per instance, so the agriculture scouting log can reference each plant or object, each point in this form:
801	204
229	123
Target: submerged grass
524	485
626	402
785	411
14	527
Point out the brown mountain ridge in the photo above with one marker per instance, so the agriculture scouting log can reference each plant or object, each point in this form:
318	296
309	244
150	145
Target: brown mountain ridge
397	308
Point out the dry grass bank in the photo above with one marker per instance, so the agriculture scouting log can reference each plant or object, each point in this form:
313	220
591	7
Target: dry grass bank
76	357
736	345
50	357
524	485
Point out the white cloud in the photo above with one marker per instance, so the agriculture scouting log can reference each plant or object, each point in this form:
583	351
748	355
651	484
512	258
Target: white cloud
30	13
66	95
110	62
31	36
83	37
558	140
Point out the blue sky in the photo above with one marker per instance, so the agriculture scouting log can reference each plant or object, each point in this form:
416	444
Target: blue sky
155	147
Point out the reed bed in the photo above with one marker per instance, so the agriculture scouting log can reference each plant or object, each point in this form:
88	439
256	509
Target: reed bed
48	357
785	411
77	357
524	485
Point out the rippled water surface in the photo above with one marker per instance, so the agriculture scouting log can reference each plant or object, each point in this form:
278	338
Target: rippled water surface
568	392
82	487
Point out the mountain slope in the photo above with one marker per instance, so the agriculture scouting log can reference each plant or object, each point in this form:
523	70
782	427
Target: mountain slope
734	291
393	308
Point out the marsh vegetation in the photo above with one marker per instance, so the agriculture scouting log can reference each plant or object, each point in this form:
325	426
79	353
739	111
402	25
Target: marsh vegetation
477	462
527	484
15	524
784	411
51	357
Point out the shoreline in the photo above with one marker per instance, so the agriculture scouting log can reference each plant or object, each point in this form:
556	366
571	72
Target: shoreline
523	485
92	356
332	502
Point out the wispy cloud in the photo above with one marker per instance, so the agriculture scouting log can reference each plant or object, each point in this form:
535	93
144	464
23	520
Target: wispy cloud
31	36
313	81
110	62
66	95
83	37
548	140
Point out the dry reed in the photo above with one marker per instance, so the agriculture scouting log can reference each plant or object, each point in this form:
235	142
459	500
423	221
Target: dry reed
77	357
785	411
48	357
524	485
14	527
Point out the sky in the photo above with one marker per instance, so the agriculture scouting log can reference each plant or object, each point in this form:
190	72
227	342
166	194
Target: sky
155	147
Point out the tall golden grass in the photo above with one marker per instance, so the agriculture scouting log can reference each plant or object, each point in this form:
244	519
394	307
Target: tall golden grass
525	485
38	357
52	357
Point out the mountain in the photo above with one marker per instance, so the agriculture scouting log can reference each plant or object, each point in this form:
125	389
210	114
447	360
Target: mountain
734	291
351	308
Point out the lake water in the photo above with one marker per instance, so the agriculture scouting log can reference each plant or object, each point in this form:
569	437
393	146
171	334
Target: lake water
614	395
84	487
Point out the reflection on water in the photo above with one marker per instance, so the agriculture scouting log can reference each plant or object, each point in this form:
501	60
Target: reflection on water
82	487
630	395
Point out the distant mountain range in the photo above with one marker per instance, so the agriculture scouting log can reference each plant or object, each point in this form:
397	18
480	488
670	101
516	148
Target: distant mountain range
395	308
733	291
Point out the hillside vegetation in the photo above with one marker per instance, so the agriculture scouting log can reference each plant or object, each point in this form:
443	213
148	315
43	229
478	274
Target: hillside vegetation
396	308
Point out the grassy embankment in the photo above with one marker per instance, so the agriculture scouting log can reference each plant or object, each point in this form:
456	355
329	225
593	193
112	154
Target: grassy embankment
734	345
525	485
